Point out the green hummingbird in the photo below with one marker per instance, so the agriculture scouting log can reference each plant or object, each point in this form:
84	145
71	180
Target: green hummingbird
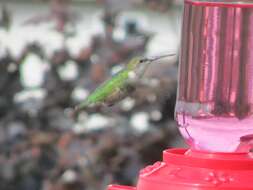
120	85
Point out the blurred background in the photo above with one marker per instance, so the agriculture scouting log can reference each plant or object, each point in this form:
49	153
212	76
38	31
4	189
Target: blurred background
53	53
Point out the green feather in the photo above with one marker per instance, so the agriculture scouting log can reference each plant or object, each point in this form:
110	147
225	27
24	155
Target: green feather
118	81
107	88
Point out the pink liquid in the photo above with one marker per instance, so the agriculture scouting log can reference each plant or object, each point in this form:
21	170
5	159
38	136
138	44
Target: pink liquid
219	134
215	97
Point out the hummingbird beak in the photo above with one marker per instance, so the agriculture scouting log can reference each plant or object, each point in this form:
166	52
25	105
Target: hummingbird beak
155	58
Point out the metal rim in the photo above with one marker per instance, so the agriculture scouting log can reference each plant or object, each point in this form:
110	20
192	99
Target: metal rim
224	3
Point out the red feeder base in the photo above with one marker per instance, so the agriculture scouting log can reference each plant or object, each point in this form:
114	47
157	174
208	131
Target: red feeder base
183	169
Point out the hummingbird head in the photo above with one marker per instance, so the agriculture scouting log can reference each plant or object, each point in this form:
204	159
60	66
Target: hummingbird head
134	63
138	62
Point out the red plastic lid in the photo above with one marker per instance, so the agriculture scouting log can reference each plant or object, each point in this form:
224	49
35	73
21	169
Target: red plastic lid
183	169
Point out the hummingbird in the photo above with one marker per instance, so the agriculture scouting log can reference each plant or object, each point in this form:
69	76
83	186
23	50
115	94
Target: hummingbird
119	85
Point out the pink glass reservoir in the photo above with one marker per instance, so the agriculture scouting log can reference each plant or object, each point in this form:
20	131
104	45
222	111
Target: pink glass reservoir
214	107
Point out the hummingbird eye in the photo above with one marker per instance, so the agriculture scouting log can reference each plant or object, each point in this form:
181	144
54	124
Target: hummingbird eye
143	60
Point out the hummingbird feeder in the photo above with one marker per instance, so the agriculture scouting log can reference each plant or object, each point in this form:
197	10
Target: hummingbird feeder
214	108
